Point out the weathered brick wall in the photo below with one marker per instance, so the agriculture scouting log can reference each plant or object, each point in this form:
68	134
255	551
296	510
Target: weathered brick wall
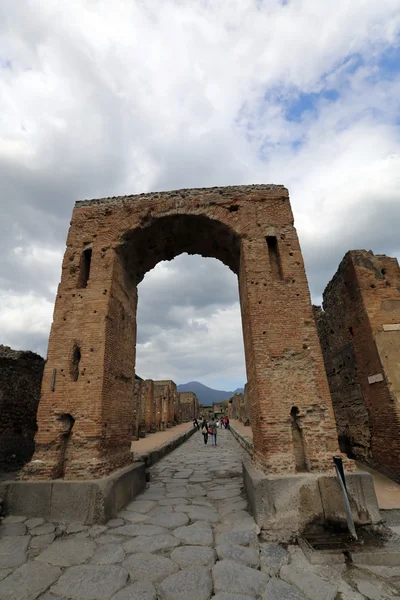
156	406
238	407
189	405
166	393
137	409
20	380
112	243
359	331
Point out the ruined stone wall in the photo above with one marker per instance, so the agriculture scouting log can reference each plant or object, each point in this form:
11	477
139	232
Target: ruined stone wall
166	393
239	407
20	382
359	330
137	409
189	405
155	406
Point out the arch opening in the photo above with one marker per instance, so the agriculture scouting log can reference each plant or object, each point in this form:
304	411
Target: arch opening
165	238
189	329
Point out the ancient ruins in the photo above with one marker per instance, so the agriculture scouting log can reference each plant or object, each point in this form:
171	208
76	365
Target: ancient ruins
158	405
20	380
238	407
84	423
359	331
93	403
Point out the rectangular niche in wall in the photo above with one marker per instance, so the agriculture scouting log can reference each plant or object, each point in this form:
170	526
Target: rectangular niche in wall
274	258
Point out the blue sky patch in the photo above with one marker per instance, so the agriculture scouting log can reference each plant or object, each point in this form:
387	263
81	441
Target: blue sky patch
389	63
302	103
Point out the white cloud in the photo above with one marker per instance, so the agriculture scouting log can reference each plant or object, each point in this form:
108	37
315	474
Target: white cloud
100	97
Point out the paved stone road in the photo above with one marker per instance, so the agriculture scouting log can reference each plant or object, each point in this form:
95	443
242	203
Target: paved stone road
187	537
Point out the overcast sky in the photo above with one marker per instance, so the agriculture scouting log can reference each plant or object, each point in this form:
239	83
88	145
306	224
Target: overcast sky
101	97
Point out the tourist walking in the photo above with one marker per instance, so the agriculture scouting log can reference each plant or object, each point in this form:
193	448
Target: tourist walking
212	428
204	431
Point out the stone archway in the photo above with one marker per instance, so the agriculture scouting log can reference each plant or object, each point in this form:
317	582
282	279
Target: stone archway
111	244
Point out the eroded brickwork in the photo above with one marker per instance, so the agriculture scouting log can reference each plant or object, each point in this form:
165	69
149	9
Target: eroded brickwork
359	330
166	392
158	405
20	381
189	405
112	243
238	407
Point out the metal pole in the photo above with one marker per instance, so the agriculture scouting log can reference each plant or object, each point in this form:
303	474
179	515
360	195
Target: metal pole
342	482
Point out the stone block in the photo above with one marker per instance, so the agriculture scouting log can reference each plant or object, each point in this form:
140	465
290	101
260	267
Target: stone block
31	499
73	501
285	504
82	501
363	502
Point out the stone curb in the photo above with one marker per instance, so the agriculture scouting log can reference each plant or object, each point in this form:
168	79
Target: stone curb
243	440
151	457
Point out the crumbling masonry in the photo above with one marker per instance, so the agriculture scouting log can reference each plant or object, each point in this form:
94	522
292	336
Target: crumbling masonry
84	421
238	407
359	330
158	405
20	381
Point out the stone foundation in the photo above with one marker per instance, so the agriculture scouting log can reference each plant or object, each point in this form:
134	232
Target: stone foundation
285	505
85	501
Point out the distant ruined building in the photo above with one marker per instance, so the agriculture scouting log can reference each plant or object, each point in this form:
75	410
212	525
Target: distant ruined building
157	405
238	407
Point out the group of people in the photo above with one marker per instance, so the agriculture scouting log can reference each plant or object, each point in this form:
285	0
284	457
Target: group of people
210	428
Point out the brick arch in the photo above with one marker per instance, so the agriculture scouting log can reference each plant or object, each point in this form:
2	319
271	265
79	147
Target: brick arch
165	237
111	244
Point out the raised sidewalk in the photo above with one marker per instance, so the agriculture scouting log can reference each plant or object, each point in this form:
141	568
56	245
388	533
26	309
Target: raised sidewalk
156	445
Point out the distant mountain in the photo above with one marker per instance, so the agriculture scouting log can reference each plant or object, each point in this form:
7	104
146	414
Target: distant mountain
206	395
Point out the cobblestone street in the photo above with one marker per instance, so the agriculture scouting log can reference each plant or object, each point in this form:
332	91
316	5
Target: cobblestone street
187	537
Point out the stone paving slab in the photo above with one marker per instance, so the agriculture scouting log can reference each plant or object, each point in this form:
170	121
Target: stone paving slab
194	556
272	558
229	576
149	566
87	582
28	581
198	534
181	534
194	583
313	586
69	552
151	544
140	590
240	554
281	590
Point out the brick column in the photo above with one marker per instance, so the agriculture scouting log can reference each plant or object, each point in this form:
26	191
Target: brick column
283	356
85	415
